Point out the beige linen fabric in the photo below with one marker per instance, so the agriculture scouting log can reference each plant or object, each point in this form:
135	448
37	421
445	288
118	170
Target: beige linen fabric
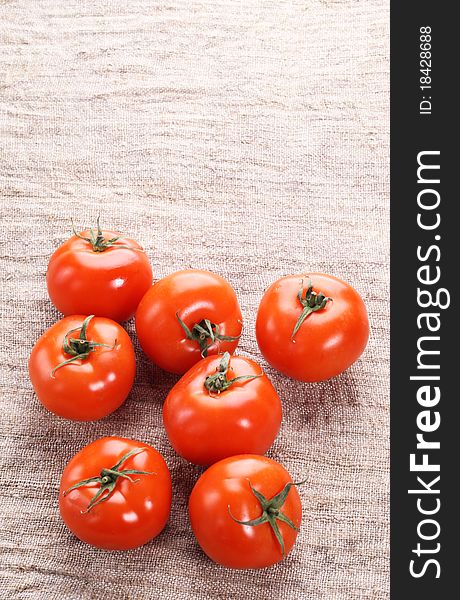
248	138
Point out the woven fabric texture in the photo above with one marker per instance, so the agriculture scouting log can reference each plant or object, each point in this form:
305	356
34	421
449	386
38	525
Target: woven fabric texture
247	138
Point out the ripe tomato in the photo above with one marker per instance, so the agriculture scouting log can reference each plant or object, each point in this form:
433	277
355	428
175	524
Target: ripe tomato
103	505
186	316
102	274
83	368
311	327
245	512
220	408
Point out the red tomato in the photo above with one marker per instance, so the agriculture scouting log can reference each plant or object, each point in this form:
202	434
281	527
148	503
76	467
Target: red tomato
245	512
186	316
102	274
311	327
116	493
83	369
220	408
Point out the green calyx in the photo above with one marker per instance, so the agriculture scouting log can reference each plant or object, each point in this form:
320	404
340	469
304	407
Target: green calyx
271	512
108	480
97	239
205	334
219	382
311	302
79	348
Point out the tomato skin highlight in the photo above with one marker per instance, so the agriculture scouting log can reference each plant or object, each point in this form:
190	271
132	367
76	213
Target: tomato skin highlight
204	428
106	284
328	341
134	514
194	295
226	484
90	388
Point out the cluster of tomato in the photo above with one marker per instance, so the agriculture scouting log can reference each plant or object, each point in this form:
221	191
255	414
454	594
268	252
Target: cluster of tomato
116	493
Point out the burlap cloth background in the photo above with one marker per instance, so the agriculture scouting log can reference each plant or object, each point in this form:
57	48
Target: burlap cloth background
249	138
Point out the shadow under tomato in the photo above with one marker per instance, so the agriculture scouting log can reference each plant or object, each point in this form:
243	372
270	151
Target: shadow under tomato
306	403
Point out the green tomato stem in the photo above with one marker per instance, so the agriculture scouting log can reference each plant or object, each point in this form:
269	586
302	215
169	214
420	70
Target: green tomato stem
271	512
219	382
79	348
311	302
205	334
108	480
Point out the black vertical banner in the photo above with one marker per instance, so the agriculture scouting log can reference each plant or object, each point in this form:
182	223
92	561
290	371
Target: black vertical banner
425	356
